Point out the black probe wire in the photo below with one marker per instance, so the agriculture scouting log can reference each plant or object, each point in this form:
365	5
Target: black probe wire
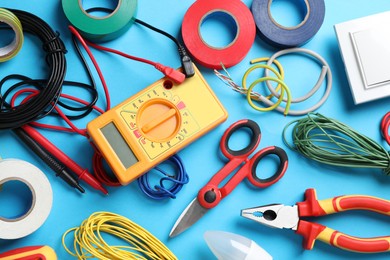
47	98
185	59
186	62
159	31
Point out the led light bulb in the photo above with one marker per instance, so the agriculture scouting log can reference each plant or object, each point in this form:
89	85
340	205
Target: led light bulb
229	246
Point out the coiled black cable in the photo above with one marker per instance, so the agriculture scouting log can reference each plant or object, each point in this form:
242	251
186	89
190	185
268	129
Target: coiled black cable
82	110
45	100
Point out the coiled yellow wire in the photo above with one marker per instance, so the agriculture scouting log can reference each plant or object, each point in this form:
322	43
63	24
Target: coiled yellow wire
279	66
89	242
252	95
278	79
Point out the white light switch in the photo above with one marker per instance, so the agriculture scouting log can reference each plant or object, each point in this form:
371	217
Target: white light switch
372	48
365	48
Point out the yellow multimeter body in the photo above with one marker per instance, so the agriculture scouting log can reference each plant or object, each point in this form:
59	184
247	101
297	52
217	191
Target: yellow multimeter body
154	124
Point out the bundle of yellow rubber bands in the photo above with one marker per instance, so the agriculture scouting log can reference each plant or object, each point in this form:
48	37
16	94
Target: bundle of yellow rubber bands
281	88
90	243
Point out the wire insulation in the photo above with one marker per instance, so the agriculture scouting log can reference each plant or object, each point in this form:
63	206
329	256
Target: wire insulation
89	239
278	79
325	72
227	79
331	142
267	100
177	180
252	95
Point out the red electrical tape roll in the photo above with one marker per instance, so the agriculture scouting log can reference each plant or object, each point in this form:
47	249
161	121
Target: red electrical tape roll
207	55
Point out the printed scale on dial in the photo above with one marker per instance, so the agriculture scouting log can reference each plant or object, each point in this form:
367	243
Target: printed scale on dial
165	121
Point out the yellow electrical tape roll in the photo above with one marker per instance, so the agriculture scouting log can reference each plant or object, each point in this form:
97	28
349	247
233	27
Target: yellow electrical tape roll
101	29
9	51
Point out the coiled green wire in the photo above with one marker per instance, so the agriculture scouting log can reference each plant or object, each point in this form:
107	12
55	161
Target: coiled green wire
331	142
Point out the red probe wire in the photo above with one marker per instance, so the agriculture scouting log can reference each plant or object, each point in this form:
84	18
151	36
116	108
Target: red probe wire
169	72
385	127
98	165
73	128
95	64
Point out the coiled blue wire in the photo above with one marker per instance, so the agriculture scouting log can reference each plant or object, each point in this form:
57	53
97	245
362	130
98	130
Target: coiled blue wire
160	192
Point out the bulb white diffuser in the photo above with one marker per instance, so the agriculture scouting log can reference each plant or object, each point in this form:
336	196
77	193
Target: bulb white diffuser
229	246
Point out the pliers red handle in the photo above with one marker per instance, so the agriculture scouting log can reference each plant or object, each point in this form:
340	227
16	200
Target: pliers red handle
280	216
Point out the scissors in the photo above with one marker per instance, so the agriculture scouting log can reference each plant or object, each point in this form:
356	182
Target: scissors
210	195
289	217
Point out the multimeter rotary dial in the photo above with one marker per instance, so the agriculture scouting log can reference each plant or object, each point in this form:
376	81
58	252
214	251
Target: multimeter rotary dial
158	120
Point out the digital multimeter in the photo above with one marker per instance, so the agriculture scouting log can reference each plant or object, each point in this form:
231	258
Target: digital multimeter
154	124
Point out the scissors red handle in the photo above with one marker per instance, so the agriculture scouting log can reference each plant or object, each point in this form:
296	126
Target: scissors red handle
210	195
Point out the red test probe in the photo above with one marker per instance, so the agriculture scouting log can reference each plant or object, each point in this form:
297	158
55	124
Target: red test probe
60	169
82	174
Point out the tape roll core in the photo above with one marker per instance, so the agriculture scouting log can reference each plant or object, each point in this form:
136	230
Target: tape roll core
42	198
209	56
101	29
9	51
286	37
32	201
99	17
208	16
290	27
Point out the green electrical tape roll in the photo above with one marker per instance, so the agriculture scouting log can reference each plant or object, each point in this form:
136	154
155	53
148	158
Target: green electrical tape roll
101	29
9	51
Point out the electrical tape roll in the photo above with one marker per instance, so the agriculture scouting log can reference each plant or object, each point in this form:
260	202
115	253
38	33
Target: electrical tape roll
101	29
9	51
212	57
42	198
286	37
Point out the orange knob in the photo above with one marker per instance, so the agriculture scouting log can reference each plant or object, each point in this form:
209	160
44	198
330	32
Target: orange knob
158	120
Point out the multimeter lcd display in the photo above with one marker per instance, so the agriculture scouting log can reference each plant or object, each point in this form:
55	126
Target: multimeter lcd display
119	145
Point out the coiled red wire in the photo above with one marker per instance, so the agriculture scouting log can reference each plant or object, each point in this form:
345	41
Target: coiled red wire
385	127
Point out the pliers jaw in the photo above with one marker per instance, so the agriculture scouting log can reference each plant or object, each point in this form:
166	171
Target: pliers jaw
274	215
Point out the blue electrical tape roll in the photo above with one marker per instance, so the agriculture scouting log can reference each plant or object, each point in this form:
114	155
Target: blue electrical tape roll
287	37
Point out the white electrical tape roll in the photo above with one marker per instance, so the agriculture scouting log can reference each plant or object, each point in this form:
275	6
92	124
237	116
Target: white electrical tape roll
42	198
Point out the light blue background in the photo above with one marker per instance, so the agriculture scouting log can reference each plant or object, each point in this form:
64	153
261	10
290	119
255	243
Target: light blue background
202	158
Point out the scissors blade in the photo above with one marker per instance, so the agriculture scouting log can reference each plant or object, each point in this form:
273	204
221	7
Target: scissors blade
192	213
